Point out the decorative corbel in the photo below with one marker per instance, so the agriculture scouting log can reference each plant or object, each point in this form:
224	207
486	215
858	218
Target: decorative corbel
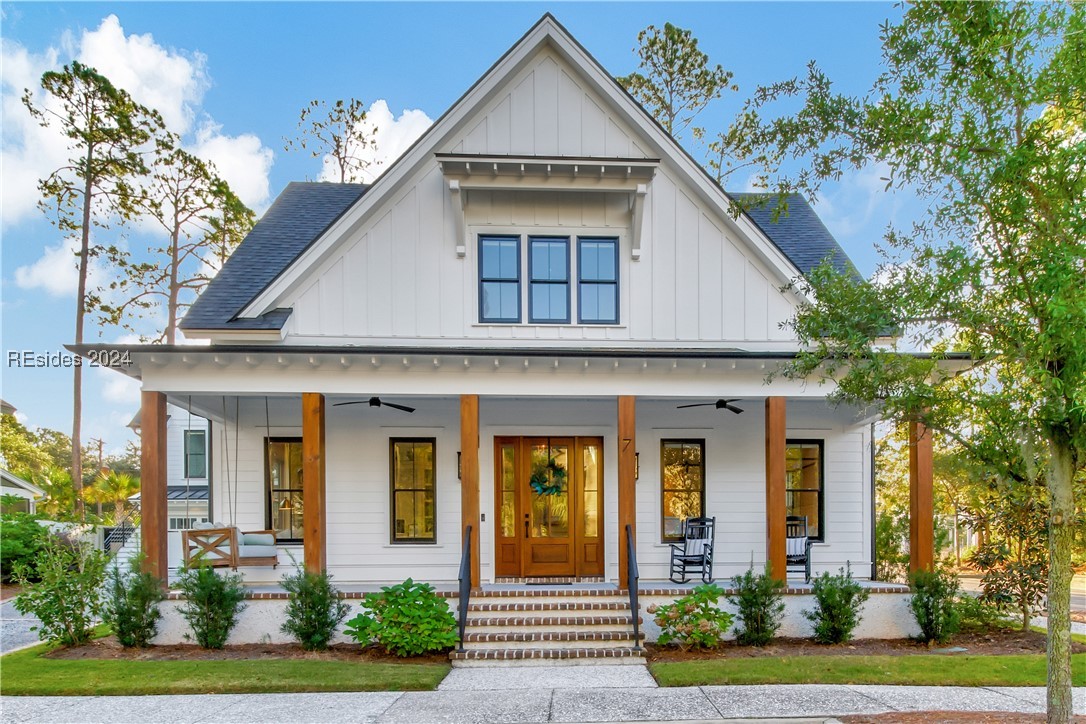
459	200
638	220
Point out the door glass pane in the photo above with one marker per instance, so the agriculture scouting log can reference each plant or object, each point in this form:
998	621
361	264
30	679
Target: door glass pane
508	499
548	486
591	490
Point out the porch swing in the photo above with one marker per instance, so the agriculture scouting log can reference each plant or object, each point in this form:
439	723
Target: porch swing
215	544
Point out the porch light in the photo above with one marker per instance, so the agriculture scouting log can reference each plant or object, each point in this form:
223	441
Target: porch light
458	468
637	466
287	504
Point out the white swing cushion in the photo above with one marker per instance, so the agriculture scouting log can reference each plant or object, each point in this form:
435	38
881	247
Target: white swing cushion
796	546
205	525
257	551
257	539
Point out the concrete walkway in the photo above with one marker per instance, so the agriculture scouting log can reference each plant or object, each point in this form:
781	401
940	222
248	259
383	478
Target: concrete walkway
15	630
535	694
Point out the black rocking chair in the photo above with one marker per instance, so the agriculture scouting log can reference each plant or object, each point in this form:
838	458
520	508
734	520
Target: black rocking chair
797	546
695	553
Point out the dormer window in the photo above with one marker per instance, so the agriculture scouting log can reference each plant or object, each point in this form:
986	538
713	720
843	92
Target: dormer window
499	279
548	274
551	267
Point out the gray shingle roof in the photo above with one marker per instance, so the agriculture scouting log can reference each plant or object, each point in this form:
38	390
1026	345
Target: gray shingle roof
798	233
304	210
301	214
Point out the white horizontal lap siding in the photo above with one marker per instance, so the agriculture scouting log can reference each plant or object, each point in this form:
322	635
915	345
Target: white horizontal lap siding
734	483
398	275
357	486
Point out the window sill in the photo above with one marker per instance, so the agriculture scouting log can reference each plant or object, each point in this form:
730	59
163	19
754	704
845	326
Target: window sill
550	325
413	545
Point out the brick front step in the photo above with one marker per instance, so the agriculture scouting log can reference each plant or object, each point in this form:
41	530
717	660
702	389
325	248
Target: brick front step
552	606
601	655
549	593
528	636
549	621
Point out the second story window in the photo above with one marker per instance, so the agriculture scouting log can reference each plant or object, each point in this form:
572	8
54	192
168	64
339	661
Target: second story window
195	454
499	279
597	265
548	274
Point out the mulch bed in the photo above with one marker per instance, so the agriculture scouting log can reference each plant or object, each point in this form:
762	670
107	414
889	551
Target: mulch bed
987	642
109	648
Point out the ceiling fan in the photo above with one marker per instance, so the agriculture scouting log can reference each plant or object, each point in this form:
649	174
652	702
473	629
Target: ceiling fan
376	402
719	404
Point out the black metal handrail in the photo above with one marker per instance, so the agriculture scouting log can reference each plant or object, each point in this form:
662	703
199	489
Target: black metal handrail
632	576
465	585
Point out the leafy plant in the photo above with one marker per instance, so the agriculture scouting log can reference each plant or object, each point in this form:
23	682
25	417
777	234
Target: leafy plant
21	540
759	598
68	597
314	610
975	611
407	619
131	607
933	604
694	621
838	600
212	604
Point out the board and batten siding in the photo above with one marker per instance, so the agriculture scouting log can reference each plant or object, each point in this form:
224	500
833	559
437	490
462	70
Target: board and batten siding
397	277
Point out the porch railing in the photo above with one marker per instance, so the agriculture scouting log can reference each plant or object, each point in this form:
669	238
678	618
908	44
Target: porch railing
465	585
632	576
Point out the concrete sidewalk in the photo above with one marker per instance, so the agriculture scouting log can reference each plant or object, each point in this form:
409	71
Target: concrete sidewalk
535	694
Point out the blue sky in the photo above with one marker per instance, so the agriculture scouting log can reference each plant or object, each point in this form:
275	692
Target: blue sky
232	78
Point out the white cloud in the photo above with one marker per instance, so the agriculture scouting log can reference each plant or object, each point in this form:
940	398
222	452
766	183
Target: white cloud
393	137
171	81
55	272
118	388
242	161
858	199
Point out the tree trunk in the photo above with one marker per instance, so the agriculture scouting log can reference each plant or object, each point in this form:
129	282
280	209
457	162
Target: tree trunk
171	305
80	313
1061	537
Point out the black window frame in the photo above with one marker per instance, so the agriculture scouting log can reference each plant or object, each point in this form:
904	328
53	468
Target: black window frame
682	441
188	454
581	281
821	444
484	279
270	506
532	319
392	490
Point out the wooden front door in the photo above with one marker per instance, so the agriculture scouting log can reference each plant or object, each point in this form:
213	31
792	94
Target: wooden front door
549	506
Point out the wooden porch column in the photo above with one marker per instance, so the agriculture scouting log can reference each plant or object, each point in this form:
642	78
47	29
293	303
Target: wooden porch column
775	510
921	502
469	478
315	545
627	481
153	484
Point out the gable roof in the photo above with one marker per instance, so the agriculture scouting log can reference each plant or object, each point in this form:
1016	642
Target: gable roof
298	217
264	287
798	232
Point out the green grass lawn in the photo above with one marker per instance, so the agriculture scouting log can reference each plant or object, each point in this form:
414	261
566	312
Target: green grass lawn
27	673
923	669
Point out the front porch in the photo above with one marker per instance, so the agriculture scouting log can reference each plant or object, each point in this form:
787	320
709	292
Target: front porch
338	506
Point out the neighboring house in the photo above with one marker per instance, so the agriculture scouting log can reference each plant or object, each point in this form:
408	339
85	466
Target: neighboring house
547	282
11	484
187	467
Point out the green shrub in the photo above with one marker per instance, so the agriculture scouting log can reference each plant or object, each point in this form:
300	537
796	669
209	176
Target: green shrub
694	621
977	612
407	619
759	598
838	600
933	604
131	607
314	610
21	540
212	604
67	598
